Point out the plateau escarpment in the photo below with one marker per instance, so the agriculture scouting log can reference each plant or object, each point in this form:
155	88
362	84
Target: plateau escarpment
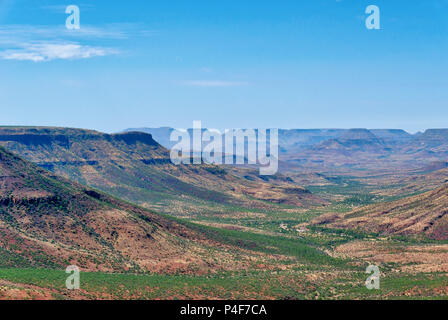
134	166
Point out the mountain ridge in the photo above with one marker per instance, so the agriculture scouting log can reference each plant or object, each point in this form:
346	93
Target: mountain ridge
49	221
134	166
423	214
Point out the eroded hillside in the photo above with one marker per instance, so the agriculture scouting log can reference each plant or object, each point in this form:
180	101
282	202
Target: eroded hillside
47	221
135	167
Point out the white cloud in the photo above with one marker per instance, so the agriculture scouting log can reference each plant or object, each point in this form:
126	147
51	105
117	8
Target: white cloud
111	31
214	83
39	52
47	43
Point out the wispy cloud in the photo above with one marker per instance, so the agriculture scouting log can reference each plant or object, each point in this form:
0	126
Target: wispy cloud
110	31
47	43
40	52
214	83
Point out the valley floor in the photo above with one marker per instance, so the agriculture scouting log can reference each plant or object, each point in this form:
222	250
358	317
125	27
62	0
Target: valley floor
321	265
292	258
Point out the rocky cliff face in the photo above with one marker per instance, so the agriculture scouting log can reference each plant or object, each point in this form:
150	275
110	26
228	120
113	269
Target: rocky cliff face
134	166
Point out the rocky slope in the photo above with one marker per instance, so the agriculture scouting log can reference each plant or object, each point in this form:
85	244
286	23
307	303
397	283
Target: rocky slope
48	221
135	167
426	213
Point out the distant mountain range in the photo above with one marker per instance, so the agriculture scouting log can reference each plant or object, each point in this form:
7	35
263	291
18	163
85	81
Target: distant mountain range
294	139
349	148
135	167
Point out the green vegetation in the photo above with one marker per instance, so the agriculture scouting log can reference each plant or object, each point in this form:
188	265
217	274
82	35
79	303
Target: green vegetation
237	285
303	249
278	253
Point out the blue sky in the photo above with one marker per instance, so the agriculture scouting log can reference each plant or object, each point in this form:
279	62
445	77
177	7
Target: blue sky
230	64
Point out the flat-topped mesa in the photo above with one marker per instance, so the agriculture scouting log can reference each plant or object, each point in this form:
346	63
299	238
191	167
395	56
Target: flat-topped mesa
45	136
9	130
64	136
391	133
77	146
353	140
134	137
435	135
360	135
36	139
430	141
393	136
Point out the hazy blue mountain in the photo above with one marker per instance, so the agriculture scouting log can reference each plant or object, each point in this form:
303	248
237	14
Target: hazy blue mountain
393	136
297	140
